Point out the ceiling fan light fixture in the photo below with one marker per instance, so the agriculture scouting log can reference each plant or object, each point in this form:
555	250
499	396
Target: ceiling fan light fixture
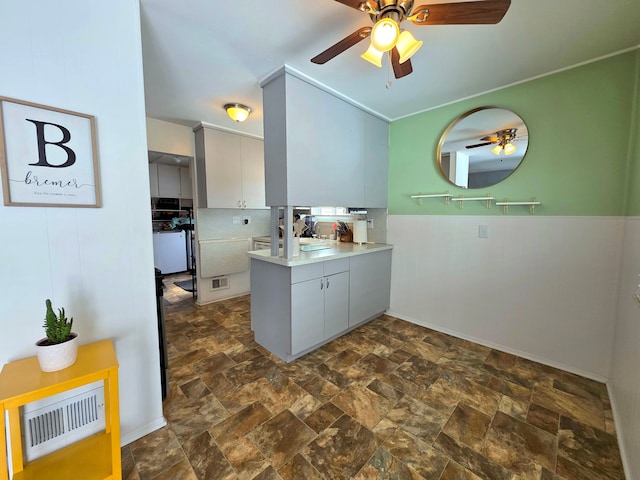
497	149
407	45
373	56
384	34
509	148
237	112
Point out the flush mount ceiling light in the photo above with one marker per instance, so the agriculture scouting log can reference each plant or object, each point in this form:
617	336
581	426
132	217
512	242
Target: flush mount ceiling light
388	36
237	112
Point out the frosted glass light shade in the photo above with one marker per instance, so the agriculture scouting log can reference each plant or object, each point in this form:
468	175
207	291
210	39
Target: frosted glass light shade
509	148
407	45
497	149
237	112
384	35
373	56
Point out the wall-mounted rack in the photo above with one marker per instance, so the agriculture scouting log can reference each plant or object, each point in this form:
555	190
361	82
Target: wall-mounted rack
505	204
445	195
531	204
487	199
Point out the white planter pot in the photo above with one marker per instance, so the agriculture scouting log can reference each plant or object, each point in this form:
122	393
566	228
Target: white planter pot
56	357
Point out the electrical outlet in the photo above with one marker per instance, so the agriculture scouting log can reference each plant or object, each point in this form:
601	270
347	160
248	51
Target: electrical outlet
236	220
370	223
483	231
246	220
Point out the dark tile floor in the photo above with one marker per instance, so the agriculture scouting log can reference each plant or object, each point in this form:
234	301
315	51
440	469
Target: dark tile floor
390	400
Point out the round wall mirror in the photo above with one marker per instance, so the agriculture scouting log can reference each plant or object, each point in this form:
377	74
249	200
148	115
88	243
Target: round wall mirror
482	147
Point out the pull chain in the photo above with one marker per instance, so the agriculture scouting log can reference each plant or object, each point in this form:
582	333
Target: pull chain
389	82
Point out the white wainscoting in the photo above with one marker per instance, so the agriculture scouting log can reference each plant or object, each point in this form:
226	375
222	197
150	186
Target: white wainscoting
624	387
545	288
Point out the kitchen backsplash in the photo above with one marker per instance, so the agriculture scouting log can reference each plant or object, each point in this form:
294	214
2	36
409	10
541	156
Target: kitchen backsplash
215	223
377	234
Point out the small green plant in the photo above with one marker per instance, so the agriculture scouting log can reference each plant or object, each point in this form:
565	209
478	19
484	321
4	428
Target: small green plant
57	327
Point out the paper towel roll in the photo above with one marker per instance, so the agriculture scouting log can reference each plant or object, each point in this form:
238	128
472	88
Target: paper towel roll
360	231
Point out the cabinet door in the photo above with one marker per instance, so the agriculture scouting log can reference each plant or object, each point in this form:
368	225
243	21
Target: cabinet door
336	304
376	166
369	285
186	190
153	179
223	169
168	181
307	314
252	153
325	156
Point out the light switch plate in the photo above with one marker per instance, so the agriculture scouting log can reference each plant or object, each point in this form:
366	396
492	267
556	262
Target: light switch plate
483	231
236	220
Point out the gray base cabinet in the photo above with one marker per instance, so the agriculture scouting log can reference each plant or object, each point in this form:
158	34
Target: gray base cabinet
319	308
369	286
295	309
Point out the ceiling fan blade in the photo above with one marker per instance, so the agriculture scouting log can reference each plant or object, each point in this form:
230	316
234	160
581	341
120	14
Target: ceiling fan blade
461	13
480	145
490	138
400	69
342	45
351	3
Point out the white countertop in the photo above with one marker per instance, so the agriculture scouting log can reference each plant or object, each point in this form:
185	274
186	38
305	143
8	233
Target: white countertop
335	251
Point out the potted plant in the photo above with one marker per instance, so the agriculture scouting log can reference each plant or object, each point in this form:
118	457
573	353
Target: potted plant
60	347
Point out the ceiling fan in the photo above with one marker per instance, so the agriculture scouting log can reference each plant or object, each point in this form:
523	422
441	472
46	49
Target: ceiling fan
387	36
504	140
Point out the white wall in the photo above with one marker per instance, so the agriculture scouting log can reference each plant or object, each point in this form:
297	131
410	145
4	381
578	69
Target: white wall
625	379
97	263
170	138
541	287
216	224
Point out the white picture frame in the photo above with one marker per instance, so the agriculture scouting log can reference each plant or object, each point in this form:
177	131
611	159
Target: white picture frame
48	156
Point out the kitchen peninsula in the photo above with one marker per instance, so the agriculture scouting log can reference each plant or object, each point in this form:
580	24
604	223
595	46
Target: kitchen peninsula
303	302
318	150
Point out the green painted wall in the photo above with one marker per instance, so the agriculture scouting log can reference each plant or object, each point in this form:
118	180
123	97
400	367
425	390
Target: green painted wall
633	206
581	132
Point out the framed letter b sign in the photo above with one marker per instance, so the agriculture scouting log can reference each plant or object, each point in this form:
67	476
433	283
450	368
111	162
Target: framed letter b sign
48	156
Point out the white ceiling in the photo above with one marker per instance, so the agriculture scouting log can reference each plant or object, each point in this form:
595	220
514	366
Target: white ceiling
200	54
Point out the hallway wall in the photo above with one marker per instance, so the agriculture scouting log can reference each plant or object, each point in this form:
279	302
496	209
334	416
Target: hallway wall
95	262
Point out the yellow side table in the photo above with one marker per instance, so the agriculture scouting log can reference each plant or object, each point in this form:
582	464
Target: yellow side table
94	458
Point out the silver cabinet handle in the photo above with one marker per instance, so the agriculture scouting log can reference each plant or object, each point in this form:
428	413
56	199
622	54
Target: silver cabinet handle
321	283
244	204
239	204
327	282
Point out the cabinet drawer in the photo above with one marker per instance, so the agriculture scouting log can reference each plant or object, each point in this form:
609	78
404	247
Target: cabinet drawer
303	273
336	266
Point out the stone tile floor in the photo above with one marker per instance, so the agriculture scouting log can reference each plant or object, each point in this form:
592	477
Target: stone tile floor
390	400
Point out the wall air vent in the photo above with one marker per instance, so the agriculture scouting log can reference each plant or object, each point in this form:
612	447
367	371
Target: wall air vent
219	283
58	421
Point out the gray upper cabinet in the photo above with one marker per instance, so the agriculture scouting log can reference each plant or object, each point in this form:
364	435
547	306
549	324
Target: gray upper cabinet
230	169
319	149
376	163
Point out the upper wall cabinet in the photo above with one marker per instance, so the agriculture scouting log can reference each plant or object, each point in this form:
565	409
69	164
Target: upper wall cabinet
186	190
230	169
167	181
319	149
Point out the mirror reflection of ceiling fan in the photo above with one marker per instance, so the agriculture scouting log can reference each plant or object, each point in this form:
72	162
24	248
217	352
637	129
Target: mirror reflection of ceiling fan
503	139
388	36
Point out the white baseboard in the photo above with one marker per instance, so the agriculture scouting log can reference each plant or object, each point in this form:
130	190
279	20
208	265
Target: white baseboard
628	474
502	348
132	436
